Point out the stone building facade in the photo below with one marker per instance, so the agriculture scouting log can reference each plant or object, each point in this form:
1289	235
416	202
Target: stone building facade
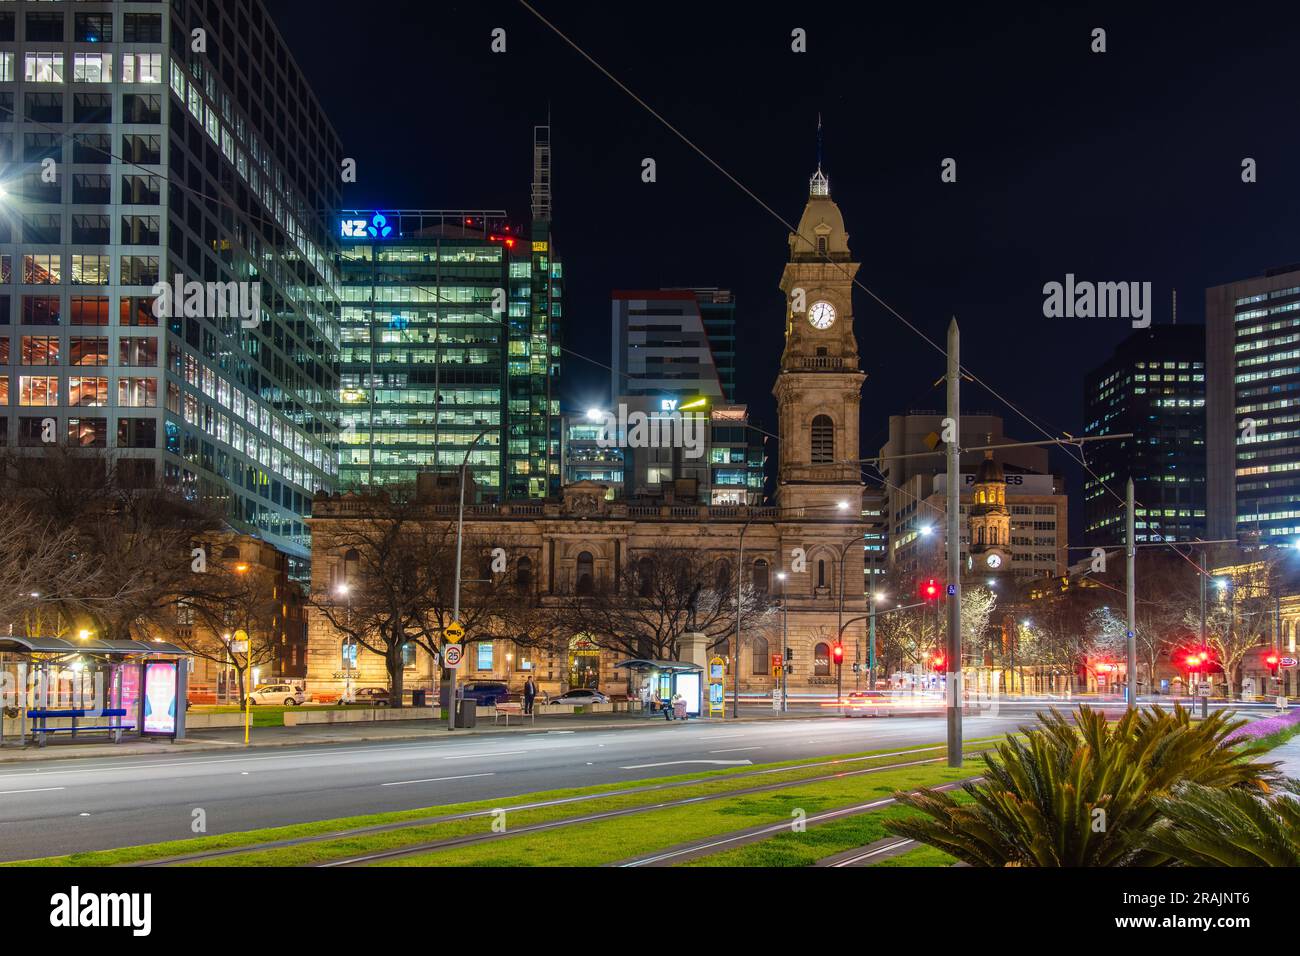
805	551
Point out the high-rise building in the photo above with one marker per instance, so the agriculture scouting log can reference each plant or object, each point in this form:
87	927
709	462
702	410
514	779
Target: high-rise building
677	347
1252	426
141	151
438	314
1153	388
425	343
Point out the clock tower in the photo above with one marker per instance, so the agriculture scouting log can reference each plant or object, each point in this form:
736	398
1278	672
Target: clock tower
819	388
989	520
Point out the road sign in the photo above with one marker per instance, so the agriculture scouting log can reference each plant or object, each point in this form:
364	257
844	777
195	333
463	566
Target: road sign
1289	662
451	655
1204	688
952	590
453	632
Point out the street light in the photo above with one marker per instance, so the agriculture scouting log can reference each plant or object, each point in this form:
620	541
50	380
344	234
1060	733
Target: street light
785	643
460	538
345	590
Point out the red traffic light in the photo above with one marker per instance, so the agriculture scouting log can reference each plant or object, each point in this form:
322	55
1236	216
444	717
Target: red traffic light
930	590
1193	661
839	653
937	662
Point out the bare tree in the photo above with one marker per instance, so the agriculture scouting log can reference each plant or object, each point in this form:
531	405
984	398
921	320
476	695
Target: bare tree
230	615
1238	613
664	592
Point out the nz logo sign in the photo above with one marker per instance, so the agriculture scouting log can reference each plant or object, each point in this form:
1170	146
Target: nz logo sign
377	227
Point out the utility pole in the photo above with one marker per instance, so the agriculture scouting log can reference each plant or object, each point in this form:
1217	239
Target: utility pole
785	645
455	610
1132	603
735	651
954	547
871	638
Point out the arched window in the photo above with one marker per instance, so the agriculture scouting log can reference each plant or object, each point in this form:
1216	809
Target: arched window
645	577
761	576
979	535
230	551
822	660
760	656
821	572
823	440
585	582
723	649
524	573
722	576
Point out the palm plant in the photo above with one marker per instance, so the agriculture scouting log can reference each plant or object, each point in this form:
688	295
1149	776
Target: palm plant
1080	792
1205	826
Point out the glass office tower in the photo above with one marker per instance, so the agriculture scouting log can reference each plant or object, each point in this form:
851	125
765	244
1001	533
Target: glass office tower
444	342
133	158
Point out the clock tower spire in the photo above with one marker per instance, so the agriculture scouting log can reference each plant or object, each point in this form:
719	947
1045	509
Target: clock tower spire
819	388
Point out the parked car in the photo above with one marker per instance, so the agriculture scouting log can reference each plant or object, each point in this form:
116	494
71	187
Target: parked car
285	694
487	693
370	696
581	697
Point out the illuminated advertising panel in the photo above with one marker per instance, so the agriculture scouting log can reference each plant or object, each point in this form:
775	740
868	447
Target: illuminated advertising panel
160	698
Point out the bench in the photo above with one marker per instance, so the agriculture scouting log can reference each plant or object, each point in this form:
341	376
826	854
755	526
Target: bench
40	731
505	710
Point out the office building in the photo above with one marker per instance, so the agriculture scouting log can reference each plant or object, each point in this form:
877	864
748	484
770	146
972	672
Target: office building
1153	388
674	351
133	159
1253	407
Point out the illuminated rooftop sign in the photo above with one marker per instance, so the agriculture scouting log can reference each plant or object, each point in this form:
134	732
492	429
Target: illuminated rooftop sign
376	227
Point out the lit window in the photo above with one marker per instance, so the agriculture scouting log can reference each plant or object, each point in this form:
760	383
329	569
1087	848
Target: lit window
43	68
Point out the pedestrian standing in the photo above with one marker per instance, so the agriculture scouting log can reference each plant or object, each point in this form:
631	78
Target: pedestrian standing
530	694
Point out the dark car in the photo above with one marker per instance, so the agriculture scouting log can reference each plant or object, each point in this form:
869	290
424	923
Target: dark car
486	693
371	696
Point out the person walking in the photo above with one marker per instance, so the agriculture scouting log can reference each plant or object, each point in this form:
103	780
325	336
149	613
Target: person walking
530	694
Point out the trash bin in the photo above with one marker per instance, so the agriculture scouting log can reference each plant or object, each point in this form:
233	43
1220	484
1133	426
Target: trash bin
466	712
418	697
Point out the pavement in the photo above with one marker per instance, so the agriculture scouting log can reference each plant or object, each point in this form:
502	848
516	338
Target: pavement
53	807
1289	755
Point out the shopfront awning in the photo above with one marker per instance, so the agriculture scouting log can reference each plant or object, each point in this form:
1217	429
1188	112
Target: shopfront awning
63	645
642	664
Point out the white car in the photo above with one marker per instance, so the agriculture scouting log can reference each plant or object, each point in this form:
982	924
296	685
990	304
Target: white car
581	697
285	694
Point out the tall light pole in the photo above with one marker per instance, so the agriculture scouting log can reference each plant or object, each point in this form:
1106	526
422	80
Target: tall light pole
349	644
455	610
1131	643
954	548
785	642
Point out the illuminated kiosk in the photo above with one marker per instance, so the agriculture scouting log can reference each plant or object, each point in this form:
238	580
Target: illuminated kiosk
56	685
668	678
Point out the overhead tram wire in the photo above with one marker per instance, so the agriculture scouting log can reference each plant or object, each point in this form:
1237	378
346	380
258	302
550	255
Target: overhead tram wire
1079	459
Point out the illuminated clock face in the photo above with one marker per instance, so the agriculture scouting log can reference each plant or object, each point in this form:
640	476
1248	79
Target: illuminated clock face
821	315
994	560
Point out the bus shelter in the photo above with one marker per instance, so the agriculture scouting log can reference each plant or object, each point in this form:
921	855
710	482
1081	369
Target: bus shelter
668	678
58	685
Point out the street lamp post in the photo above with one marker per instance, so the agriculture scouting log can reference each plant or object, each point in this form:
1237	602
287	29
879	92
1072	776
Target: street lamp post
455	611
785	643
348	644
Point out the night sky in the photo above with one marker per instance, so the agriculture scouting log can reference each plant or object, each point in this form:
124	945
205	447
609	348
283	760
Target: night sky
1122	166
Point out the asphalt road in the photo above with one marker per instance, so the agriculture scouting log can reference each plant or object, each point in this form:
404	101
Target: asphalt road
66	806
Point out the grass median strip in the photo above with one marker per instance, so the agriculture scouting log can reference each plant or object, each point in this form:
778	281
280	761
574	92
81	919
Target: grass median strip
921	856
705	781
610	841
816	843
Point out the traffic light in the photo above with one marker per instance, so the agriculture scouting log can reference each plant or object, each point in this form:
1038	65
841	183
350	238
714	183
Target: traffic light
930	590
838	652
1272	661
937	661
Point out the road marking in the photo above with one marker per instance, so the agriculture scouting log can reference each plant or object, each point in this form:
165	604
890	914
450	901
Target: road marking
721	736
876	852
672	763
464	776
493	753
36	790
732	750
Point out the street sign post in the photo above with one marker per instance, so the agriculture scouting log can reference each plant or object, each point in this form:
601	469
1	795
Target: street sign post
453	632
451	655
